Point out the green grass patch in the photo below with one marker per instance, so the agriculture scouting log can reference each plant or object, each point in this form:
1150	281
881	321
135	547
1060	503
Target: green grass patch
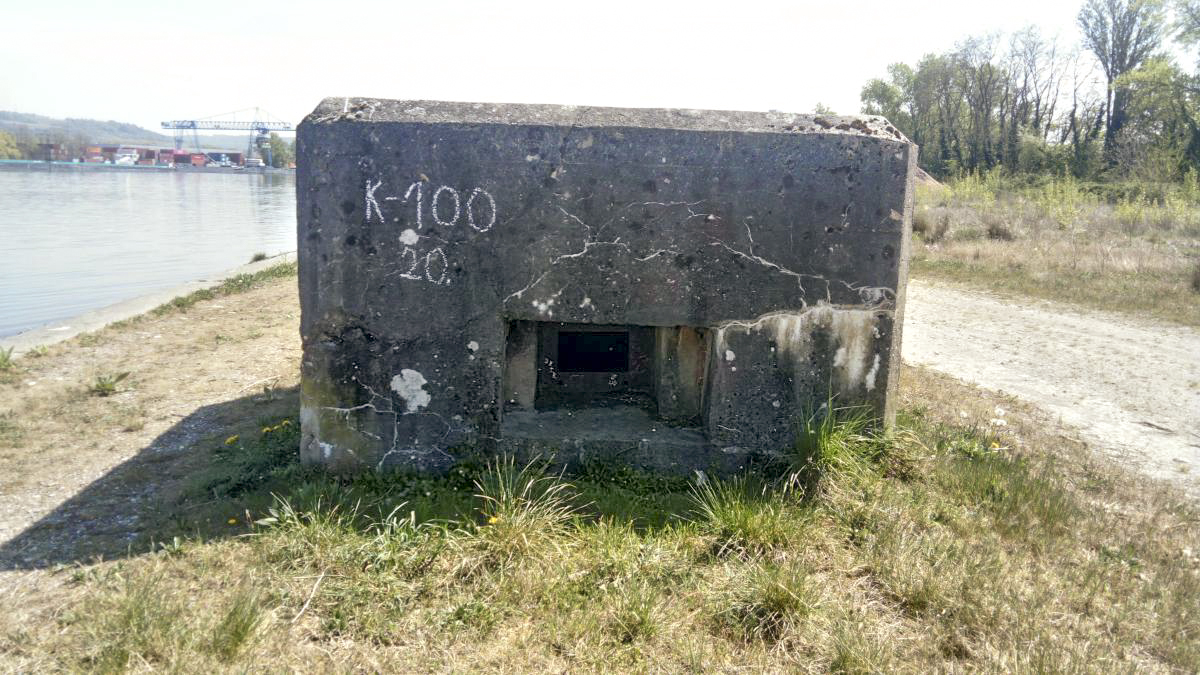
928	548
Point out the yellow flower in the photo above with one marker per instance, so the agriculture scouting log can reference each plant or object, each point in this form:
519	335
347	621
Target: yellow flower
266	430
285	423
233	521
493	520
231	440
995	445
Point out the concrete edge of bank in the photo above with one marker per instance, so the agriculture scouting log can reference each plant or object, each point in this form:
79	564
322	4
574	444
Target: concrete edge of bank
96	319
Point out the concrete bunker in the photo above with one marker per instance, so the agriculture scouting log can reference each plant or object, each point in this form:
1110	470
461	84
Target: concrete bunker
667	288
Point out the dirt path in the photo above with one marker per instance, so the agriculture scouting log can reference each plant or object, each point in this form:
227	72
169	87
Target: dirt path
1130	387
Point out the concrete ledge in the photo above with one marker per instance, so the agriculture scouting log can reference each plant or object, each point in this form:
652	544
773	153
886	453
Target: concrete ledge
99	318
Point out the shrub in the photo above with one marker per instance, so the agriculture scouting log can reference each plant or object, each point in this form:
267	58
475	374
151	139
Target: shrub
997	229
931	224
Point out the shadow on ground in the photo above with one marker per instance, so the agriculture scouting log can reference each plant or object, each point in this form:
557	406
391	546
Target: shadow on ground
124	510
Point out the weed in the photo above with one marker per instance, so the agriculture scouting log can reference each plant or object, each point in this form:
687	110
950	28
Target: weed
38	351
6	358
105	384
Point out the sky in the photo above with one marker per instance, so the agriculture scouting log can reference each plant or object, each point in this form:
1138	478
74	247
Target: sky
147	61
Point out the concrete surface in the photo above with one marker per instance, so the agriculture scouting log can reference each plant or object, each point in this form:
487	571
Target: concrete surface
439	241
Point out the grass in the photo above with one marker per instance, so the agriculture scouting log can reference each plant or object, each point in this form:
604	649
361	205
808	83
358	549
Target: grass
6	359
1126	248
233	285
934	547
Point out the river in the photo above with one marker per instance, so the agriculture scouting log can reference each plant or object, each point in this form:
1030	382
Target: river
74	241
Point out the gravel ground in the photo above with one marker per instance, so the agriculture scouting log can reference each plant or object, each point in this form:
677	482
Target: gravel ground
1131	388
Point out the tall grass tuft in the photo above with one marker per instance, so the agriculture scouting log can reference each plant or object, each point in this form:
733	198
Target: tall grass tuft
524	514
744	517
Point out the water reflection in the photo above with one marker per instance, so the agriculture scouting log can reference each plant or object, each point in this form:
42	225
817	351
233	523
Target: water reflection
75	241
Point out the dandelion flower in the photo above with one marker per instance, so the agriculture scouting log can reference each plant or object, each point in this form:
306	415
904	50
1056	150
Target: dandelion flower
266	430
493	520
285	423
232	521
231	440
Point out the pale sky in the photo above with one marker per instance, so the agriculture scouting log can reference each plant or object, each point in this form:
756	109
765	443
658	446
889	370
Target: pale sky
147	61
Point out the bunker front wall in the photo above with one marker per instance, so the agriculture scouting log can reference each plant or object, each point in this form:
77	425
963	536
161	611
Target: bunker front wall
433	234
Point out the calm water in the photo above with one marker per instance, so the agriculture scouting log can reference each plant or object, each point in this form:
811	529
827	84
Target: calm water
75	241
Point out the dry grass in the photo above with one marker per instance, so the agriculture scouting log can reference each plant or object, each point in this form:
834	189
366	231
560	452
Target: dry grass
953	544
1059	242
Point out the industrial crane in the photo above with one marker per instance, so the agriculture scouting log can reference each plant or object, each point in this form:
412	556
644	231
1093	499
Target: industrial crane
259	129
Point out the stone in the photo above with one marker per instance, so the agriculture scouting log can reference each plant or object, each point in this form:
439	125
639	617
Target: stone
674	289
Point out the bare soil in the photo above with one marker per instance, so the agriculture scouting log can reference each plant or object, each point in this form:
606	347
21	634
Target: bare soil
82	474
1129	387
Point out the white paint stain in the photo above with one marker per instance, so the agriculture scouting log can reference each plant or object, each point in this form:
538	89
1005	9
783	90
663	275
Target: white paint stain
473	346
869	380
326	449
587	302
410	386
854	331
409	237
729	355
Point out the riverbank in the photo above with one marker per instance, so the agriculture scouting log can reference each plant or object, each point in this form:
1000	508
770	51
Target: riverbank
138	534
99	318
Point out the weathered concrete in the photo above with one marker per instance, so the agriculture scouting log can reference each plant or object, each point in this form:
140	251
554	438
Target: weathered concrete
711	274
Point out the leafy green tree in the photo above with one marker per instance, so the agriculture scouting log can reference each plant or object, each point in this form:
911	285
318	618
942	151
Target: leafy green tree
282	151
8	146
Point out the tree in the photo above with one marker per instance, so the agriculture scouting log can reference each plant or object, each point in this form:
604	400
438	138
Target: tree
1122	34
282	151
8	146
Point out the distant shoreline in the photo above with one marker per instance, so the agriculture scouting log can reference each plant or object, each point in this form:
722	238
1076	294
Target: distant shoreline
34	165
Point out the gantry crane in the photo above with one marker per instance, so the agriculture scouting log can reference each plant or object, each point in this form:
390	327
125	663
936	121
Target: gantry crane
259	129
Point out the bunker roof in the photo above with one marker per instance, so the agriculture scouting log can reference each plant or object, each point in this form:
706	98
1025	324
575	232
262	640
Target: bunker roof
355	109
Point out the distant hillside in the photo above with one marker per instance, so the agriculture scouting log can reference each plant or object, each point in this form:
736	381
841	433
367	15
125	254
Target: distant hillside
110	132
